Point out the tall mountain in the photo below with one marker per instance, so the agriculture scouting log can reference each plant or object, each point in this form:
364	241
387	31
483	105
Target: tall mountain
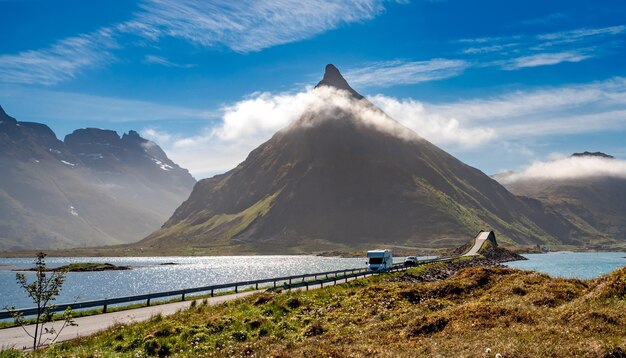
587	188
346	176
94	188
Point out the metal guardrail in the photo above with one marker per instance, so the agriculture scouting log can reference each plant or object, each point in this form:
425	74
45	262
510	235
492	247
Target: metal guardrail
286	282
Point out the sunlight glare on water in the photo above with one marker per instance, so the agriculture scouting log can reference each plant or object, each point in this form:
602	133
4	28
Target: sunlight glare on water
150	275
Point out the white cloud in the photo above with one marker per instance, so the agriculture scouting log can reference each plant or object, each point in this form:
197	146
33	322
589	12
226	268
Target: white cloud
251	121
159	60
539	104
261	115
578	34
441	130
568	168
523	51
243	26
503	121
157	136
62	61
545	59
246	26
390	73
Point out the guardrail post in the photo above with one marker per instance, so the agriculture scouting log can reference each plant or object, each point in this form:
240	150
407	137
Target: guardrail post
183	297
321	283
307	285
256	286
236	291
148	303
104	308
211	292
274	283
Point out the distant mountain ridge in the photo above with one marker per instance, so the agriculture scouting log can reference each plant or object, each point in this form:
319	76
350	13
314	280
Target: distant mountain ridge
347	176
595	203
594	154
94	188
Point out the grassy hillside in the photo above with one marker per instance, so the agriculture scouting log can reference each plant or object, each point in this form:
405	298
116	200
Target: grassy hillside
475	312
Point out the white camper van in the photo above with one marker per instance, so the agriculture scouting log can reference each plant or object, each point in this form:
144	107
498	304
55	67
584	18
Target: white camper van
379	260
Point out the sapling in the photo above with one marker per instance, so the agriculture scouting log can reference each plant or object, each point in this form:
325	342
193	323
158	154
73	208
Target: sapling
43	290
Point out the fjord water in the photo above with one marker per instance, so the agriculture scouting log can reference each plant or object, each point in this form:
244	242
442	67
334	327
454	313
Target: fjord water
583	265
150	275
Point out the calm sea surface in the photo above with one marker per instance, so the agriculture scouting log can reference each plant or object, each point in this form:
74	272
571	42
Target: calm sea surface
583	265
149	275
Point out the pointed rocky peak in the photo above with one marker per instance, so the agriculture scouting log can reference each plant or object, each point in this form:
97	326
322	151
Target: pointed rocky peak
4	117
133	141
133	137
594	154
333	78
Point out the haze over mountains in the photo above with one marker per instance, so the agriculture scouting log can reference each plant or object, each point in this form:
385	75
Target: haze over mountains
94	188
347	176
587	188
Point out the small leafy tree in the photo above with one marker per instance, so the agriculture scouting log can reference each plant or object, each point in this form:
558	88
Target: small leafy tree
43	291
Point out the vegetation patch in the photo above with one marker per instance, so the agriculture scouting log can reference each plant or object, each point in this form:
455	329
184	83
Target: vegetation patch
473	312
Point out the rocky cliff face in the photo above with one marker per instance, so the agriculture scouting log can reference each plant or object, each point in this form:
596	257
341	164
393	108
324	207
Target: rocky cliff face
344	176
94	188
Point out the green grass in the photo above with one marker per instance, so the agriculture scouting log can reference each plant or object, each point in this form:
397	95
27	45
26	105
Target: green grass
477	312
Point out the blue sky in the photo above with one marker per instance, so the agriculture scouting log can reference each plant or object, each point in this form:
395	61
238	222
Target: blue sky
499	84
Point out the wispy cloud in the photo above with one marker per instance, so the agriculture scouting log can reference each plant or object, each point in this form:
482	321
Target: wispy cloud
246	26
242	26
390	73
545	59
579	34
159	60
523	51
533	106
62	61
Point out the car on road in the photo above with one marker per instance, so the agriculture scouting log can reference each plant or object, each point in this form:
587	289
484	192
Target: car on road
410	261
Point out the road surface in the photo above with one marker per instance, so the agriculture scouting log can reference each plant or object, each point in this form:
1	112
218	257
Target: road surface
478	243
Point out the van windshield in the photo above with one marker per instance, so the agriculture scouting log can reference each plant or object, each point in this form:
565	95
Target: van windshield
376	260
